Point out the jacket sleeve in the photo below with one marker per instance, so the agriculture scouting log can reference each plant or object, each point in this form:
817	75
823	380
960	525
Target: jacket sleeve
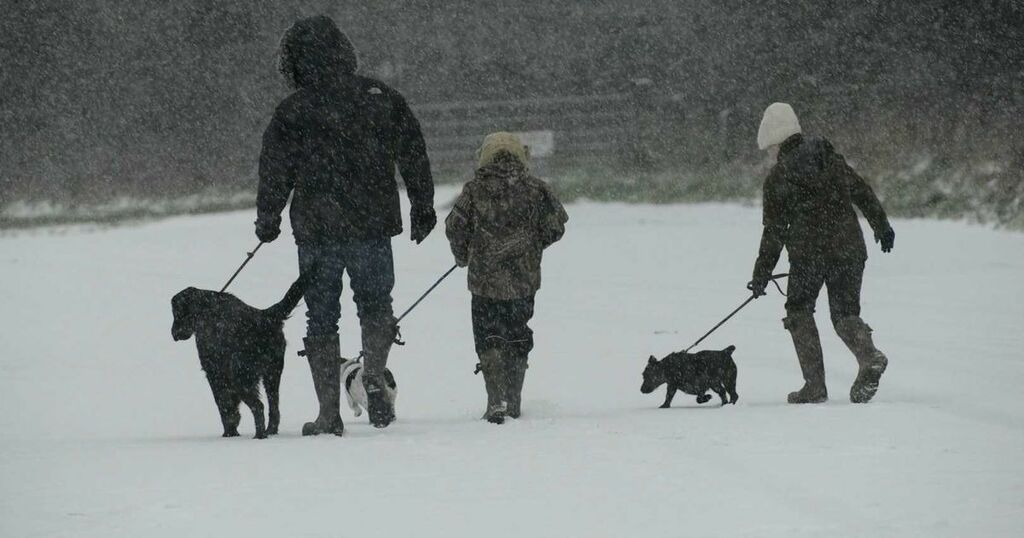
278	158
459	227
553	219
773	234
413	164
862	196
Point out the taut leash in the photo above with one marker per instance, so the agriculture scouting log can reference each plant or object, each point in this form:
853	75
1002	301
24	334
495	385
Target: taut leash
248	258
738	308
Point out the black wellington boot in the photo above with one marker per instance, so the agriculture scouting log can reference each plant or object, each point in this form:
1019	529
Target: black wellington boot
808	351
495	381
378	336
872	363
324	355
515	374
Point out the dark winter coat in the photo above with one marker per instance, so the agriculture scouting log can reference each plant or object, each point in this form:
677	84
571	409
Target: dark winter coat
808	207
336	142
500	226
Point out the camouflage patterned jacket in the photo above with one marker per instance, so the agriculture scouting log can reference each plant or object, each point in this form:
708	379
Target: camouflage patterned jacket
499	227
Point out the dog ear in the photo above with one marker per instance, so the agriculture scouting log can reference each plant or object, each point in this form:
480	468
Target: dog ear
652	360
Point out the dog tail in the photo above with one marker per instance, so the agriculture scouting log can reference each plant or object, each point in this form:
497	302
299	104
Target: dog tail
729	350
284	307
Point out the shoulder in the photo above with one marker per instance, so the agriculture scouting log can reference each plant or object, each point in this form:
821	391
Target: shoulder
292	106
539	186
373	87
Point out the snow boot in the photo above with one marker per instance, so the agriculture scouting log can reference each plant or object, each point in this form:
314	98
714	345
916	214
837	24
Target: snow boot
802	328
515	376
378	336
324	355
495	382
872	363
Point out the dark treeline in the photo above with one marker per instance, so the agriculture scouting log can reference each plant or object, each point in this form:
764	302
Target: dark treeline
150	98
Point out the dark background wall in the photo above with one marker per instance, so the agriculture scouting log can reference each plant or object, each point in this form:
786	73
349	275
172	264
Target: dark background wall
149	98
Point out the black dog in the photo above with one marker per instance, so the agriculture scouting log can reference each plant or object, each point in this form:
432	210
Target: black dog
239	346
693	373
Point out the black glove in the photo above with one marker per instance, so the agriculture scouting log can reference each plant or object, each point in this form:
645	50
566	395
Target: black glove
267	230
758	285
423	221
886	237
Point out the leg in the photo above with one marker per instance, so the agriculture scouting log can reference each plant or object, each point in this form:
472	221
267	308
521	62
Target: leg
670	392
227	404
491	348
520	345
371	273
844	301
324	266
720	391
272	385
805	282
251	398
730	383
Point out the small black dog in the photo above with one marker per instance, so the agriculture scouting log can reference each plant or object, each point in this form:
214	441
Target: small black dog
239	346
693	373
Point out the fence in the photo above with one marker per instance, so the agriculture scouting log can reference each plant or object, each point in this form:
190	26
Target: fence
560	131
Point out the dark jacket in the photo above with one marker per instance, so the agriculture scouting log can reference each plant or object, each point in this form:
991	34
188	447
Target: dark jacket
336	142
500	226
808	207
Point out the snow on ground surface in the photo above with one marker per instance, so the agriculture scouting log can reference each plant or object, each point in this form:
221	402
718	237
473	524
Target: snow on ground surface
108	427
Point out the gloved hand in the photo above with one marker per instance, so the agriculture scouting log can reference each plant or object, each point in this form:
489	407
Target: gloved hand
758	285
423	219
886	237
267	230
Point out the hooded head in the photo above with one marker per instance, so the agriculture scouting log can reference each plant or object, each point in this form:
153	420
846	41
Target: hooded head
502	142
778	123
314	50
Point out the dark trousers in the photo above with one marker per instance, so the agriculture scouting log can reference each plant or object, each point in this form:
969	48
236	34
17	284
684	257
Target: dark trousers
842	279
503	325
371	273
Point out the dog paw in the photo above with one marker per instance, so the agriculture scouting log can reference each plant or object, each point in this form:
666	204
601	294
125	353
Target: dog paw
272	430
664	406
260	435
230	433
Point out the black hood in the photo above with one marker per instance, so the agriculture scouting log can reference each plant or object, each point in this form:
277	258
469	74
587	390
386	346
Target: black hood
803	158
314	51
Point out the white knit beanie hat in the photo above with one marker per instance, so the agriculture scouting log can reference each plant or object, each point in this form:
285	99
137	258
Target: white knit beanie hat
778	123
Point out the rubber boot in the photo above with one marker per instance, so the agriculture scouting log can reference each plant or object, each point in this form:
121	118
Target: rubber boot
378	336
515	375
324	355
872	363
495	382
802	328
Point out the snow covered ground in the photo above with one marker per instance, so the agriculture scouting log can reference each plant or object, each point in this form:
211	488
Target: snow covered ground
108	427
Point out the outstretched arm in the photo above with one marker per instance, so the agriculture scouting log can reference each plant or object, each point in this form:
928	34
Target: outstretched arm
413	163
865	199
278	158
772	238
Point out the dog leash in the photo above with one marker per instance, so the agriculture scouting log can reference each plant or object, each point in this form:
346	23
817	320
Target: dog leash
772	279
248	258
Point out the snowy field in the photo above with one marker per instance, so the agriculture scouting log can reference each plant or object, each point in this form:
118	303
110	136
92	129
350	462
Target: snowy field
108	427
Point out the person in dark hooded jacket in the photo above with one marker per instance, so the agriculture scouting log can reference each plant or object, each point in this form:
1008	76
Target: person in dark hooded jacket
333	145
809	199
499	228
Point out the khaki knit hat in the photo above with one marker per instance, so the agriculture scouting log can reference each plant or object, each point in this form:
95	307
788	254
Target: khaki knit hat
778	123
502	141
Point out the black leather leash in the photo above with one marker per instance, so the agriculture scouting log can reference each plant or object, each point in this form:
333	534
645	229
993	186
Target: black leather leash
248	258
740	307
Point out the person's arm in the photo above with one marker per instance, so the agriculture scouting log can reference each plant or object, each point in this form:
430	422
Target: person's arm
863	196
414	166
459	227
276	176
553	218
772	236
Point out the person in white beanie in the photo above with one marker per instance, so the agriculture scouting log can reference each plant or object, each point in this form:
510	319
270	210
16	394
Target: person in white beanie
500	226
809	199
